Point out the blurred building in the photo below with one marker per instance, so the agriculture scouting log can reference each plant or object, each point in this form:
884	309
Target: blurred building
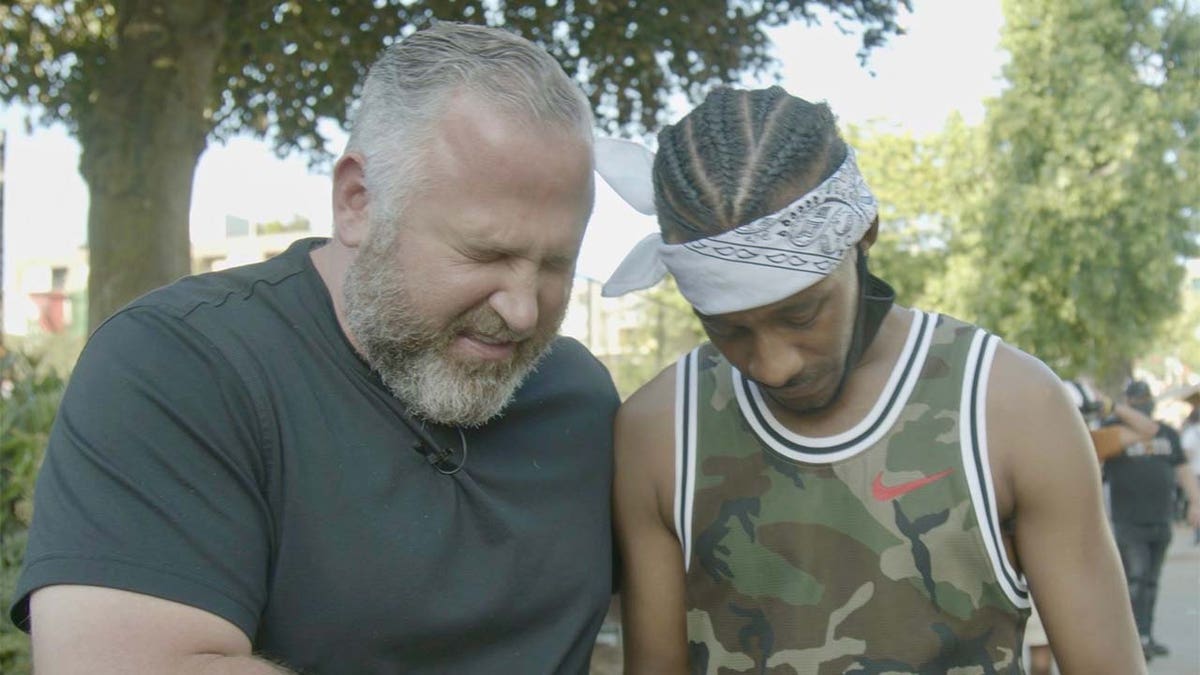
51	290
49	293
605	325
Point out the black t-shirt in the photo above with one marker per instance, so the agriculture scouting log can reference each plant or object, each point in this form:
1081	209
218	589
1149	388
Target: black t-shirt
1141	479
220	444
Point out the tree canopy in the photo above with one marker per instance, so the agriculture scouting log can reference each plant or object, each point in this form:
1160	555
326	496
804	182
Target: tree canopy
145	84
281	66
1092	156
929	191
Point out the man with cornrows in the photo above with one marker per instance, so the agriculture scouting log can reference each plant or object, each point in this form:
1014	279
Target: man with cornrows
835	483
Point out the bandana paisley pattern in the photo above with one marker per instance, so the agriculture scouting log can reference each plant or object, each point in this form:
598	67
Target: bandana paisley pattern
810	234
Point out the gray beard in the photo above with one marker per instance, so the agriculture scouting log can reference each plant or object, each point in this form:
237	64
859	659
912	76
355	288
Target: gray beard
441	391
410	353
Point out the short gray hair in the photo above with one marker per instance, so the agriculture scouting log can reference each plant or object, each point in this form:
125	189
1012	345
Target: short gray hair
407	87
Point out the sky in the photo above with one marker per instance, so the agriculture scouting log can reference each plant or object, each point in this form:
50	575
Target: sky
947	61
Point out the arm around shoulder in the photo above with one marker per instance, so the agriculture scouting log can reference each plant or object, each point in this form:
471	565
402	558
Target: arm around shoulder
1141	426
652	589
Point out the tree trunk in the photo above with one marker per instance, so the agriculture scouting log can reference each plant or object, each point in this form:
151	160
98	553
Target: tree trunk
140	142
1115	376
3	138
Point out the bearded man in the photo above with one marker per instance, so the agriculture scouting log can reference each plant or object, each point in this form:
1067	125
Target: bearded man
368	454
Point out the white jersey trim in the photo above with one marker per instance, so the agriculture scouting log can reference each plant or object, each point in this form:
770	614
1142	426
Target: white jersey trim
864	434
686	371
977	466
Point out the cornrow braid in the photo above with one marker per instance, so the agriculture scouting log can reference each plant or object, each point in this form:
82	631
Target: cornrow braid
738	156
719	136
687	201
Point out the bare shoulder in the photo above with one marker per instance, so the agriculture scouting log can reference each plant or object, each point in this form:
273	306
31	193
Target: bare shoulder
644	434
652	407
1035	435
1022	387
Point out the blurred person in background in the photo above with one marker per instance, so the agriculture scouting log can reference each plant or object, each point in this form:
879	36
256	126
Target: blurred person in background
1141	480
1131	425
1189	438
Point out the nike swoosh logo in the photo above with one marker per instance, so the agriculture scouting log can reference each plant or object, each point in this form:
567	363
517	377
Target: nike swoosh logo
886	493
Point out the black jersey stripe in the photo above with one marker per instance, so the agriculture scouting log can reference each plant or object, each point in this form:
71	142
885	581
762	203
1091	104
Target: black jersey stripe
910	364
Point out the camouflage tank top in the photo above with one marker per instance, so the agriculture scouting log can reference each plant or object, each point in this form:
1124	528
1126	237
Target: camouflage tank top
873	551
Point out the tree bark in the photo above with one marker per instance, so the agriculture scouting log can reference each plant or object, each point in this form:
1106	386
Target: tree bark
140	140
3	138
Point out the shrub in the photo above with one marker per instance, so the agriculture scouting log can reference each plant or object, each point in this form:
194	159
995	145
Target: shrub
29	396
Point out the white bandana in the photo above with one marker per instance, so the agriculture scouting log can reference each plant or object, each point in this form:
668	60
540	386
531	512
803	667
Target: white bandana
756	264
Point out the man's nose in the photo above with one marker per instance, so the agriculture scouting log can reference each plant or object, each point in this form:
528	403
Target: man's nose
773	361
516	301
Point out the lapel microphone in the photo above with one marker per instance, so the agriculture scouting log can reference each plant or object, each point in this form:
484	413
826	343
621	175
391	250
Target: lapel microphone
426	445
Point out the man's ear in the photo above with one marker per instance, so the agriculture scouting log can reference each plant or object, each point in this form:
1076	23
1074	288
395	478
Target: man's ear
868	238
350	200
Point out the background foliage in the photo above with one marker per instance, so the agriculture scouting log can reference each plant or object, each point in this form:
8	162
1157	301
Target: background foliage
1064	220
1092	178
29	396
669	329
144	84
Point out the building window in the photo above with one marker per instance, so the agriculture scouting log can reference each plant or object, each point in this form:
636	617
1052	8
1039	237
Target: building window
58	279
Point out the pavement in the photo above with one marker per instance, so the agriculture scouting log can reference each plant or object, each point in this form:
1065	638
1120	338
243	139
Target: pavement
1176	618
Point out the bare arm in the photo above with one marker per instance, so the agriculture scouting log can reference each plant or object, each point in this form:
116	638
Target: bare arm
1134	427
90	629
1188	483
1143	428
652	588
1048	484
1111	440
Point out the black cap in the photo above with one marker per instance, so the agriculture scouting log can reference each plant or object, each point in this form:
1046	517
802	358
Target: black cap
1137	389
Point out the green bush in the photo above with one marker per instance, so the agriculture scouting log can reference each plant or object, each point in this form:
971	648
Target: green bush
29	395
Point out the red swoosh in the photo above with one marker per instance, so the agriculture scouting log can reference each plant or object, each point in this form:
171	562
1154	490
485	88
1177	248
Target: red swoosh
885	493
